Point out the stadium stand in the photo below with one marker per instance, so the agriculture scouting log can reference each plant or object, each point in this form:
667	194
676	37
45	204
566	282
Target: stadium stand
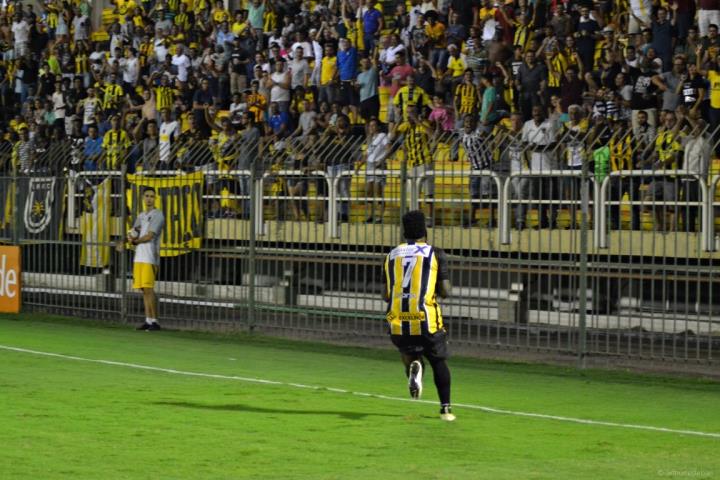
544	86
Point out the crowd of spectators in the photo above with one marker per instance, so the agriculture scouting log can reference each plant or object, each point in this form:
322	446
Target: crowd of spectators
518	84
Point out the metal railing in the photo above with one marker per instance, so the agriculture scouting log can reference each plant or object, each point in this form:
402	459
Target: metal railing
270	261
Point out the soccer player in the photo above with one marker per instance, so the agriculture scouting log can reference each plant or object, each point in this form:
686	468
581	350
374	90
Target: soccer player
415	273
145	234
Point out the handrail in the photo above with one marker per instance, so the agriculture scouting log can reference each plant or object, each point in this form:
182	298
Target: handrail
505	234
705	243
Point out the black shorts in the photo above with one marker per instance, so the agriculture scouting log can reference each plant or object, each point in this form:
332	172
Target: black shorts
432	345
347	96
370	108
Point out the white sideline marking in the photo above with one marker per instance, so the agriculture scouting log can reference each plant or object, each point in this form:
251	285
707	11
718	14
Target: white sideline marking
363	394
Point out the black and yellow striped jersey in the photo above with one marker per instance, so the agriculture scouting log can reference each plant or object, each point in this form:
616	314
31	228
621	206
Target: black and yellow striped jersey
668	146
523	34
111	95
82	64
416	142
407	96
115	144
182	20
467	98
558	66
164	97
622	152
412	273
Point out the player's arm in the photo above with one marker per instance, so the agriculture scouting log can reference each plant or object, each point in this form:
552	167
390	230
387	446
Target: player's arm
156	225
443	277
386	287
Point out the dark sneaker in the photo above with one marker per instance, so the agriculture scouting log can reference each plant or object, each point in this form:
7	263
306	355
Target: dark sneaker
154	326
143	326
446	414
415	380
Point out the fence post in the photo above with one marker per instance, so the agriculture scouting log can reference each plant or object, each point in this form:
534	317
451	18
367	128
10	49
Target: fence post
403	187
123	251
15	225
251	249
584	207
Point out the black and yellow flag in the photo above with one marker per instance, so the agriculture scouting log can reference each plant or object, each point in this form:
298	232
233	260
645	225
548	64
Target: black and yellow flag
180	199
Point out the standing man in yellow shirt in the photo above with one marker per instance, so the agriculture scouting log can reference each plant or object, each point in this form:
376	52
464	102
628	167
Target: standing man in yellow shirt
435	32
328	76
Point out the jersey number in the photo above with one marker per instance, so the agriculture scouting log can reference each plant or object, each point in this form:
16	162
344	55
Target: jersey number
408	264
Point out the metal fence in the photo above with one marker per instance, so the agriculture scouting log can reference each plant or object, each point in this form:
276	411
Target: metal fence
288	238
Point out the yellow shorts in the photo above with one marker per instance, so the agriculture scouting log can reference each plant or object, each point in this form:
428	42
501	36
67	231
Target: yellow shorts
144	275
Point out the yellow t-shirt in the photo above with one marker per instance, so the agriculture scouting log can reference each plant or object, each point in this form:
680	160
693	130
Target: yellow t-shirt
328	70
457	65
220	16
238	28
714	80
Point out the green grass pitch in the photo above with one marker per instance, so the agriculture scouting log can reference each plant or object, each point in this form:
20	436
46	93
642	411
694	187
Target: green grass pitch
74	419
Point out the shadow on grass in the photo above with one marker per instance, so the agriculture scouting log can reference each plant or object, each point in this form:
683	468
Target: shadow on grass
238	407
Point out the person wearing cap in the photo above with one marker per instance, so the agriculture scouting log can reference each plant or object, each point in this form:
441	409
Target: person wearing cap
415	274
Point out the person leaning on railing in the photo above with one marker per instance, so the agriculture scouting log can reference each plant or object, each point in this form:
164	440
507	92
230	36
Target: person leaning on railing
668	155
512	152
540	137
479	151
573	134
697	152
417	134
624	152
377	148
340	152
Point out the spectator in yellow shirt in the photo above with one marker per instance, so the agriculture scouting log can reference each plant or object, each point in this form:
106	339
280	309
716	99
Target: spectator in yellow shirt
328	76
435	32
219	14
456	66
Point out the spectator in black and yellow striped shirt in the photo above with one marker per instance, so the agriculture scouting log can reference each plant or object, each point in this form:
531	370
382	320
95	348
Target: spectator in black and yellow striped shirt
115	144
417	134
467	98
164	93
112	92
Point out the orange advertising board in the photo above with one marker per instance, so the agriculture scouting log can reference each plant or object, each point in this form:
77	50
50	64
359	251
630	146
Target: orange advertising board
10	276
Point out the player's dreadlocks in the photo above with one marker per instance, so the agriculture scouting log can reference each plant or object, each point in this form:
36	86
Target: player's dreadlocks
414	225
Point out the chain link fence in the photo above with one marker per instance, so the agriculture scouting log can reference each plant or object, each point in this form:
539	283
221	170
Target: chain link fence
553	248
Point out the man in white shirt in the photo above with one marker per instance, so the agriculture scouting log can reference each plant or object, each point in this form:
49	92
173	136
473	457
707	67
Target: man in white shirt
540	136
161	50
696	159
169	132
145	235
21	35
640	14
181	61
80	26
130	69
59	105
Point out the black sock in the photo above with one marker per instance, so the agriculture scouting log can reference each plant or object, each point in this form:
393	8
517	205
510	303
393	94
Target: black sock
441	376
